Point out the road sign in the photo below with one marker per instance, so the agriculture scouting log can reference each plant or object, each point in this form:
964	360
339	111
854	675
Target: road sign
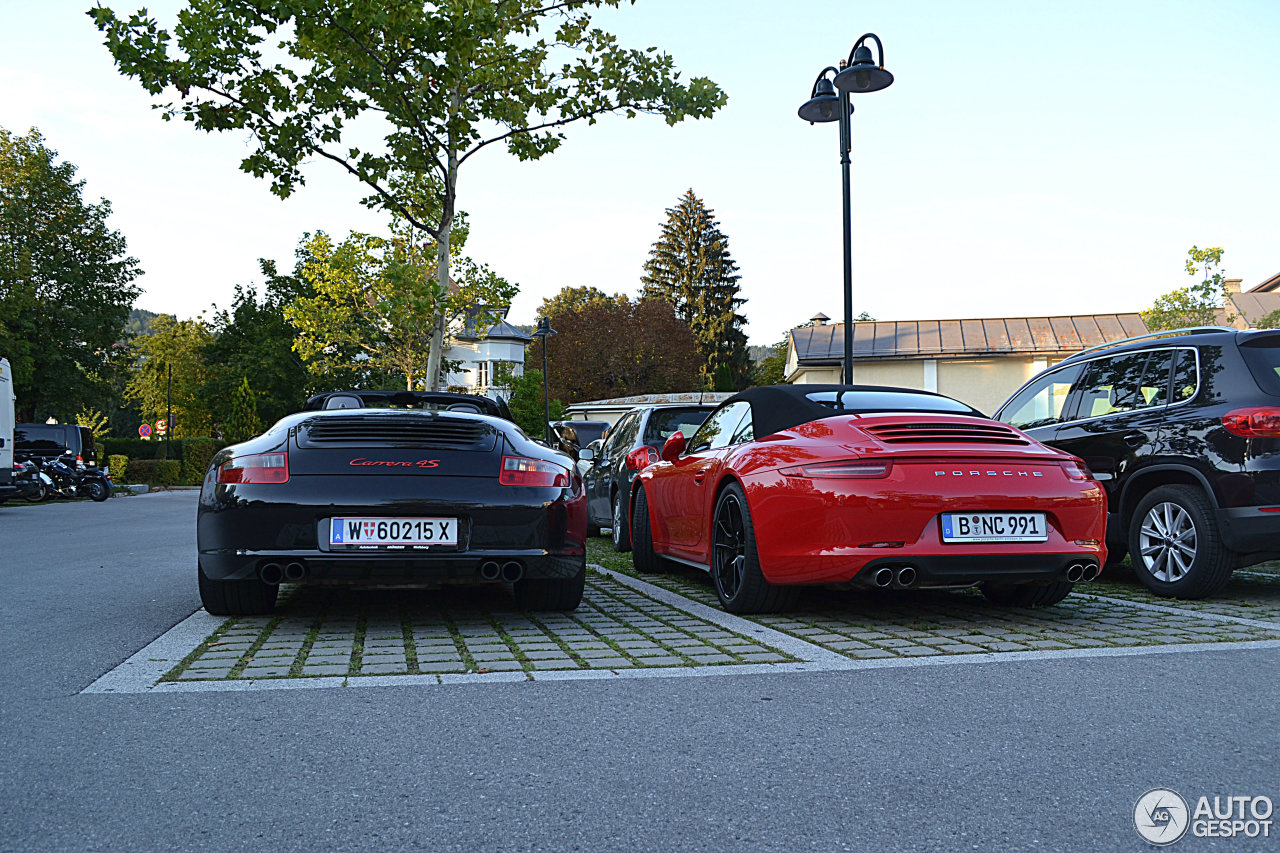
162	426
145	430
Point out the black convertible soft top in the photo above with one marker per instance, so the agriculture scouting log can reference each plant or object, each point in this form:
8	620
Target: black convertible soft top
778	407
429	400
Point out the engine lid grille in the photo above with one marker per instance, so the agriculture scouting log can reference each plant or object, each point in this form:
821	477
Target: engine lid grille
395	431
946	433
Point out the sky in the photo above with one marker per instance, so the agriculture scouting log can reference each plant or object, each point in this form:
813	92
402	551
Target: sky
1030	159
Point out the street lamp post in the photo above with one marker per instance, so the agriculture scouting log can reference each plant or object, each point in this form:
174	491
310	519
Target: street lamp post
856	74
545	331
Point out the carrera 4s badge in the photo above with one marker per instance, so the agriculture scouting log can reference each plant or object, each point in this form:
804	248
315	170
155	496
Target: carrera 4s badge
361	462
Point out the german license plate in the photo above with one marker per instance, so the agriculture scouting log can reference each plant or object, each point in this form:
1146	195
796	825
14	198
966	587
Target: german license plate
392	533
994	527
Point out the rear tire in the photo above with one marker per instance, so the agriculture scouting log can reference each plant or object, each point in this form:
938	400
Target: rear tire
643	556
1192	562
1027	594
249	597
99	490
621	524
735	563
41	492
551	593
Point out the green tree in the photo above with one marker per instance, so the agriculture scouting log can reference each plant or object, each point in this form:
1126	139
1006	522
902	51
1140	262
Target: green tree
253	338
66	284
1196	304
1271	321
177	346
571	299
691	268
526	403
243	423
96	421
772	369
446	80
375	297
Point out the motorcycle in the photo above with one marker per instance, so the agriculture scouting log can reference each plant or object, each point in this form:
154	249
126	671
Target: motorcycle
33	484
78	482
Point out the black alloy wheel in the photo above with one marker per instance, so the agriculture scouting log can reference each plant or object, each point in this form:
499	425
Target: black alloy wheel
621	524
643	556
735	564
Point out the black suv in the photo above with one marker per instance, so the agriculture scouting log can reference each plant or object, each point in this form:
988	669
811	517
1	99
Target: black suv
629	446
55	441
1182	428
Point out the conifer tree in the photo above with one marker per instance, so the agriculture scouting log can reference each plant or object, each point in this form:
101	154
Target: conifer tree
244	423
690	267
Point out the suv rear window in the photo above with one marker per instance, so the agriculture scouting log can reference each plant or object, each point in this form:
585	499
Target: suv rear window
1262	354
39	438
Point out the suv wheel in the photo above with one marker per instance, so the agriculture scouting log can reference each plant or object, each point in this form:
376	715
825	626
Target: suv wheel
1176	547
621	524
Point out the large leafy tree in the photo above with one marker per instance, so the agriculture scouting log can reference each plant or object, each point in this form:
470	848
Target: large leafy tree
527	404
373	306
66	282
1196	304
691	268
171	374
252	338
446	80
615	347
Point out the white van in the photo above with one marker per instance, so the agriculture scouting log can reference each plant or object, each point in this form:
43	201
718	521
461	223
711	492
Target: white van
6	429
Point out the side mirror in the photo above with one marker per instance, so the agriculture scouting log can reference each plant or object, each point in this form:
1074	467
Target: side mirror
587	454
673	447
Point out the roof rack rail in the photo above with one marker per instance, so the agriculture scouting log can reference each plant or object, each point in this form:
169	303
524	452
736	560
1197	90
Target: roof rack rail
1188	330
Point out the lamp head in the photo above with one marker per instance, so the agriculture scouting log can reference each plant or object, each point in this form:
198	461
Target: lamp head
863	74
824	105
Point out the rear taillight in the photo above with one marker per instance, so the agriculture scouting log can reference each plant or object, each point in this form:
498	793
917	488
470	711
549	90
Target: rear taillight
1077	470
641	458
258	468
1256	422
522	471
848	469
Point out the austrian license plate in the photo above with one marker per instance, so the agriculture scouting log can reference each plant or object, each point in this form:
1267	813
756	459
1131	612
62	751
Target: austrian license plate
392	533
994	527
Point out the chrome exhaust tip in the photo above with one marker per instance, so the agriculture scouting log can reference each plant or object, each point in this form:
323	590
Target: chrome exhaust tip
906	576
271	574
1075	572
1090	573
490	570
512	571
294	572
883	577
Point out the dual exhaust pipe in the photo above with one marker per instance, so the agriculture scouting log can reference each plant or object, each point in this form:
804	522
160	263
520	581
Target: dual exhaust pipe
275	574
1082	572
899	578
510	571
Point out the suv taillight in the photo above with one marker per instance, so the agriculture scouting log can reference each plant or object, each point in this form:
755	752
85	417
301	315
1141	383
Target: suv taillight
258	468
641	458
1255	422
522	471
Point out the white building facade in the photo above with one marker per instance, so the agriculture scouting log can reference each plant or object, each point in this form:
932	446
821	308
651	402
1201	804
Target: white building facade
484	359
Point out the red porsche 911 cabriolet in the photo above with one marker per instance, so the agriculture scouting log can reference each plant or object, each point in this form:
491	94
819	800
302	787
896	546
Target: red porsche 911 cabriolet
877	487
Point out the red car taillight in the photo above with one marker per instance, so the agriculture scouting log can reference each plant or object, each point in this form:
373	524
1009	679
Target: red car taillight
522	471
258	468
1256	422
1077	471
641	458
846	469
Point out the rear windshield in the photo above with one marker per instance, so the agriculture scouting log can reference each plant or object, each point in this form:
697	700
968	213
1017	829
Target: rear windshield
1262	354
587	431
39	438
664	423
889	401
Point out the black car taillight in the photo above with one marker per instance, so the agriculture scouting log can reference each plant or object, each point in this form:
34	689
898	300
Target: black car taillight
258	468
1255	422
641	458
522	471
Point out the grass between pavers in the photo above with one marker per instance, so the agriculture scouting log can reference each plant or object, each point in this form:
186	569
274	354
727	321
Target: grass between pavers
1252	593
867	624
610	612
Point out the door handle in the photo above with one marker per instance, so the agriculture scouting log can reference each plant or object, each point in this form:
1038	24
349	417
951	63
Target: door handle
699	477
1135	439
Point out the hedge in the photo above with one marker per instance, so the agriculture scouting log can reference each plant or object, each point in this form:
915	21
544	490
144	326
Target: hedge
156	472
118	465
136	448
197	453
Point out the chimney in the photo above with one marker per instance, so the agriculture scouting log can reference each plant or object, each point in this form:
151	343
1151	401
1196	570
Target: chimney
1232	285
819	319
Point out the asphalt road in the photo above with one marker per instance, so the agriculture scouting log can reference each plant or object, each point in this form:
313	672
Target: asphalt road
1044	755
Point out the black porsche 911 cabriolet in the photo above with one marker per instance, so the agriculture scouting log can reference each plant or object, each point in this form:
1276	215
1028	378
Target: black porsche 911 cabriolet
391	488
